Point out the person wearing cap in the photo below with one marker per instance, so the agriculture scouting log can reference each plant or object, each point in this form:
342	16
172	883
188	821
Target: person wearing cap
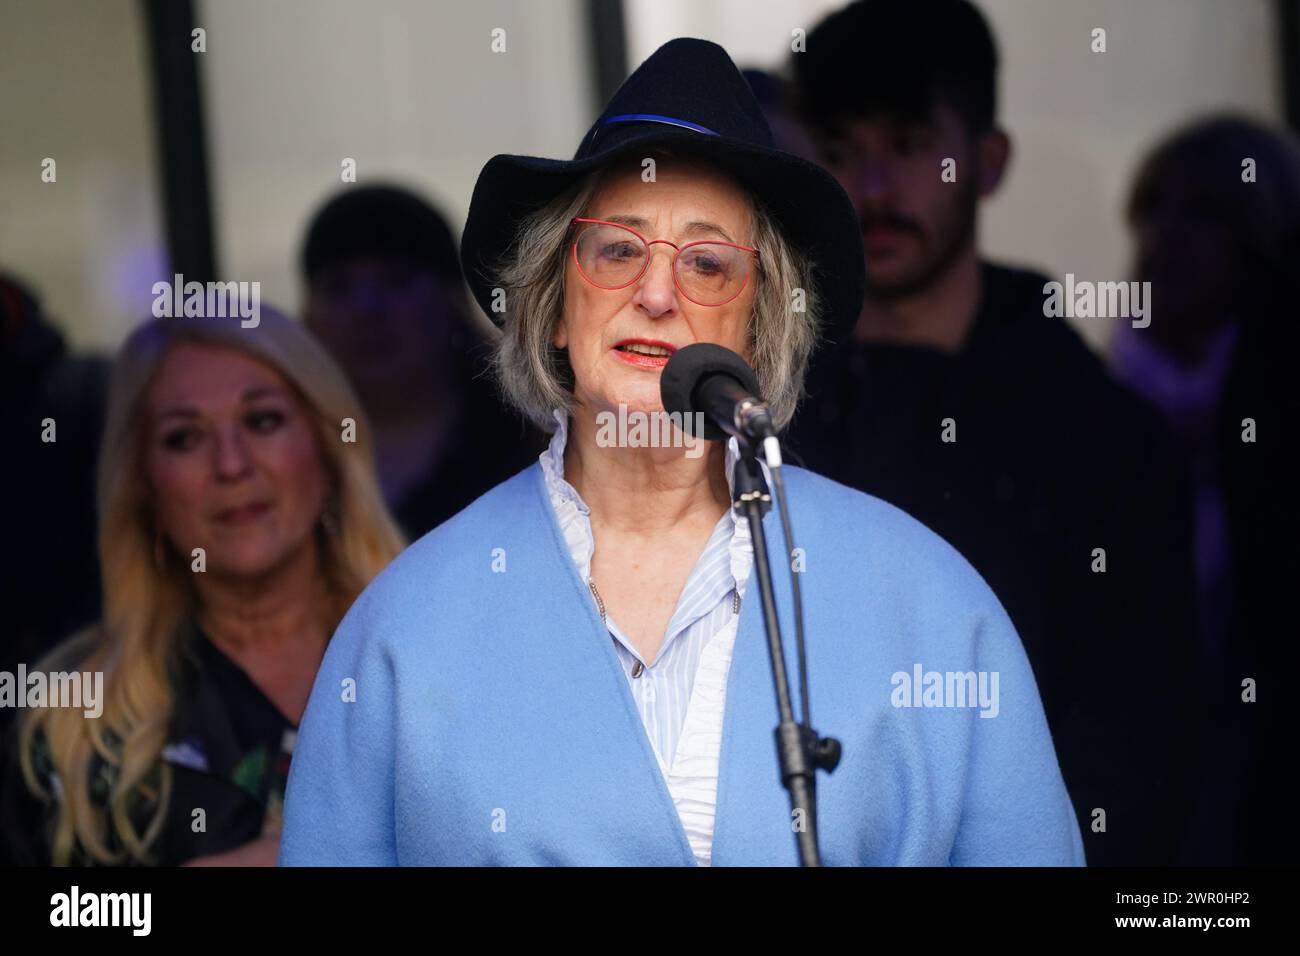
385	296
573	670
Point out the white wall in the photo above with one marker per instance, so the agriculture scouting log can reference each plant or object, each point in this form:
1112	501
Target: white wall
1081	120
74	87
409	89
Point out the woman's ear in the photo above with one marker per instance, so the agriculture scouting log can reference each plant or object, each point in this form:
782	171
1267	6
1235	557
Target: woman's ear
560	337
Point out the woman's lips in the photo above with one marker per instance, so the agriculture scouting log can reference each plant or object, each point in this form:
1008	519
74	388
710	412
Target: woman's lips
244	514
641	359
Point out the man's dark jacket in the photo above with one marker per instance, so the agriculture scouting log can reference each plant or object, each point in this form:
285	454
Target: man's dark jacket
1054	469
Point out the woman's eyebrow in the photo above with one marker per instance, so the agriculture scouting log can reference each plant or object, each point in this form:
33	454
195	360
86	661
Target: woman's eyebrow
695	227
263	392
251	395
179	412
636	222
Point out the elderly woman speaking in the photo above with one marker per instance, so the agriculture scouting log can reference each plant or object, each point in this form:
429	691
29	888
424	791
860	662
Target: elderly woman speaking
572	669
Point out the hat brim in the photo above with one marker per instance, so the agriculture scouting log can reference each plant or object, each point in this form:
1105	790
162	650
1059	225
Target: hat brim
811	209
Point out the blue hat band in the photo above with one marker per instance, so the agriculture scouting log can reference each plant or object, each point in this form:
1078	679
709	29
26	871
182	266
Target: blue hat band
656	118
596	130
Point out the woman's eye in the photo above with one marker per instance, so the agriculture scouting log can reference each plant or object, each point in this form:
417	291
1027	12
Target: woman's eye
620	250
706	263
265	421
182	439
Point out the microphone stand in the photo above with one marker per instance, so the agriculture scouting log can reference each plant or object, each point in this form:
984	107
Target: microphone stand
800	750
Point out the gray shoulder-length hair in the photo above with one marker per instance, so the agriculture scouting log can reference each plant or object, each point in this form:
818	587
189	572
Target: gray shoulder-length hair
536	377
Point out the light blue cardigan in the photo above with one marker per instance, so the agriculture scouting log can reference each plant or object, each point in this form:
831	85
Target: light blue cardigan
491	722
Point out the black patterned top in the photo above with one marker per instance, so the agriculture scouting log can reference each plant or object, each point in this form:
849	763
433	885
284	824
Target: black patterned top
228	754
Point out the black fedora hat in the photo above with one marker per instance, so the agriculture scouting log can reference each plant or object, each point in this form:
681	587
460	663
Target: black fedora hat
688	95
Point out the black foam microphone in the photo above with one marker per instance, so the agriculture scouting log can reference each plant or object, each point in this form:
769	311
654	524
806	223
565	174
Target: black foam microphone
709	379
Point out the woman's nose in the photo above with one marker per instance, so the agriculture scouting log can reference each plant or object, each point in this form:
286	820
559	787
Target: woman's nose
232	456
656	291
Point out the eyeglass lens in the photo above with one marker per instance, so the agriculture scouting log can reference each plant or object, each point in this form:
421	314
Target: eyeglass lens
708	273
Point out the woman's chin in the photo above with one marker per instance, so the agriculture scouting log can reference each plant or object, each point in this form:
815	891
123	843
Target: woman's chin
636	403
250	560
622	395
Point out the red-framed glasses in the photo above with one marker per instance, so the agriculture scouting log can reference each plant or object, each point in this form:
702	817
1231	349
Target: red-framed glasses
611	256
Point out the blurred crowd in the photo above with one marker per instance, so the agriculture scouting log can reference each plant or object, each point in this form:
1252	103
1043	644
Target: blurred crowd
1123	506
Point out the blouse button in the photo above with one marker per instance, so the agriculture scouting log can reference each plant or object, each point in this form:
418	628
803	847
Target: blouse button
637	668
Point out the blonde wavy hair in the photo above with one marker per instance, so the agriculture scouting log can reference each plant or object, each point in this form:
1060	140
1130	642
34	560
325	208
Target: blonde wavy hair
147	602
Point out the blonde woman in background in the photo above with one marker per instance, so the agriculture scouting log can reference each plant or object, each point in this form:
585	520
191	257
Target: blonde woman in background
234	441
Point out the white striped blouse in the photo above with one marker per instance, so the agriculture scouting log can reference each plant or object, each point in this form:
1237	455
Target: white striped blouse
681	696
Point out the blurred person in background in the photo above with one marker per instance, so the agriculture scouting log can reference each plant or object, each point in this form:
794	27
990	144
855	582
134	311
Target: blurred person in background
51	417
385	296
958	400
772	91
228	440
1215	212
